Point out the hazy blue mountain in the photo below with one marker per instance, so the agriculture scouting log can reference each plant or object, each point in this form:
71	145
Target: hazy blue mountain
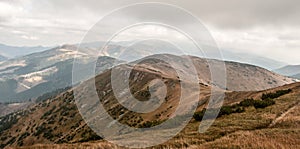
297	76
132	50
13	51
33	75
2	58
290	70
253	59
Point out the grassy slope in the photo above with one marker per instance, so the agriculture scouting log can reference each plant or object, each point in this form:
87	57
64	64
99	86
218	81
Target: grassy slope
276	126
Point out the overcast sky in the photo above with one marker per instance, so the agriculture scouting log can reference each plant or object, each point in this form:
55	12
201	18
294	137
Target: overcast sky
265	27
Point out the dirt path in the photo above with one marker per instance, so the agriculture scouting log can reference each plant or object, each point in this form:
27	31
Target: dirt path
276	120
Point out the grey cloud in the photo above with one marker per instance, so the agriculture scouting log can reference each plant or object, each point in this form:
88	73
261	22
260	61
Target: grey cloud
229	14
66	21
234	14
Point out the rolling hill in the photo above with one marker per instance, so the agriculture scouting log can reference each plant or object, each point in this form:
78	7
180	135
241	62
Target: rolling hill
55	122
239	76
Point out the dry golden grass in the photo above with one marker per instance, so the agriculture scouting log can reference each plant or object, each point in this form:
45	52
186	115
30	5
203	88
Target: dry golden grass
266	138
250	129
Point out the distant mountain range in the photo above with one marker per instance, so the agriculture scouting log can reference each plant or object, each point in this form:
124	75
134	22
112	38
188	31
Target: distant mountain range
253	59
297	76
33	75
2	58
146	49
290	70
129	52
13	51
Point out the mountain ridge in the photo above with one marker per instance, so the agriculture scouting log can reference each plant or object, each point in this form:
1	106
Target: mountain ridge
14	51
2	58
158	47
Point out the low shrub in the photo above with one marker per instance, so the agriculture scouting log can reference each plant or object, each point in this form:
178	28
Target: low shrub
211	113
7	121
276	94
267	100
198	116
149	124
247	103
259	104
89	136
